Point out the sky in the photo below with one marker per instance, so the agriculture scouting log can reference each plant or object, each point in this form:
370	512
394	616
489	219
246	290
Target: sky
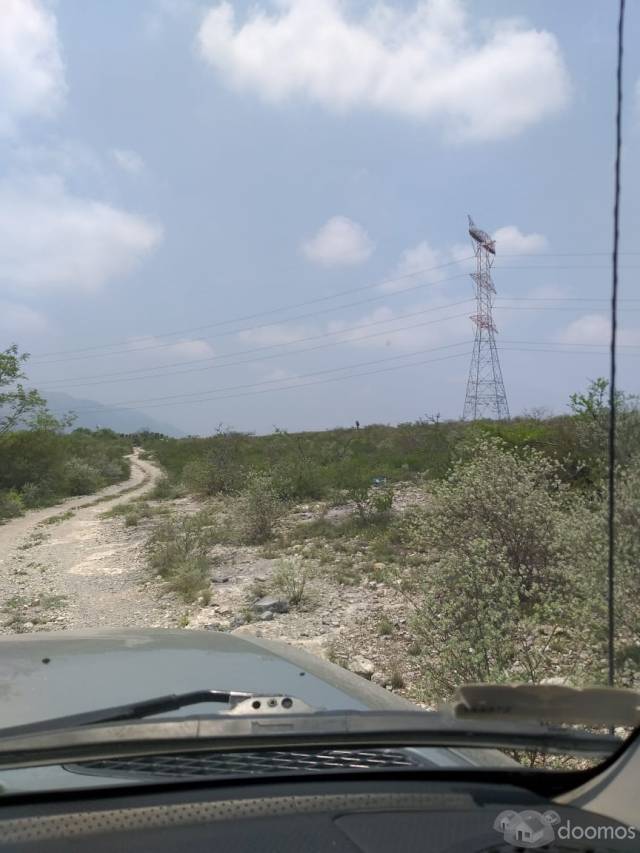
255	214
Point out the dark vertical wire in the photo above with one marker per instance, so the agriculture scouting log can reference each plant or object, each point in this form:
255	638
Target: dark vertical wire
612	377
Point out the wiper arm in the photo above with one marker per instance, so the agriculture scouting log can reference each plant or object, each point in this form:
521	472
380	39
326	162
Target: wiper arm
130	711
321	729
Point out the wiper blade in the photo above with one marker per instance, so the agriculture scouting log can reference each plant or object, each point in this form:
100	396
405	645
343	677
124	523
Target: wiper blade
229	733
549	703
130	711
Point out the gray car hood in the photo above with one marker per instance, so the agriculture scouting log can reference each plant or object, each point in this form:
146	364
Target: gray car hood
46	675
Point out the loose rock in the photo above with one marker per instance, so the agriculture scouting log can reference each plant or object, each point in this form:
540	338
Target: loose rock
362	666
270	602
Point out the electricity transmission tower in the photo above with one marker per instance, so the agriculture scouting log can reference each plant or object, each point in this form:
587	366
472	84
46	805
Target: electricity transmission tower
485	396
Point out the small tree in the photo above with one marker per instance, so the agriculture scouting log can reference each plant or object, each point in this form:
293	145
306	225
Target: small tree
591	412
18	407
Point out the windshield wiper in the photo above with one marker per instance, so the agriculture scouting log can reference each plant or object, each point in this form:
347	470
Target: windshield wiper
240	703
130	711
326	729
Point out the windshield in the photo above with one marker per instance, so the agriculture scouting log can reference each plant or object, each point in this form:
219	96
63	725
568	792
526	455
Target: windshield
305	328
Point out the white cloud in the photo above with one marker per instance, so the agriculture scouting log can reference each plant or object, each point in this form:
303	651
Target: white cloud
191	349
185	348
275	335
17	318
596	329
60	156
50	237
511	241
278	374
589	329
483	79
418	263
129	161
340	241
31	69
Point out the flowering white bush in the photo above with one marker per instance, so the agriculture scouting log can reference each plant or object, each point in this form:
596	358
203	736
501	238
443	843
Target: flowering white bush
627	576
506	573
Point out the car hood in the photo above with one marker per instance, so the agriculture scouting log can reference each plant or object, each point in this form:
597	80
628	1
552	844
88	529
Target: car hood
46	675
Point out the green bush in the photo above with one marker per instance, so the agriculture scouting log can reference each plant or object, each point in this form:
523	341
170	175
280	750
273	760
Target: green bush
45	466
39	494
259	507
113	470
373	503
290	579
136	513
189	578
177	551
11	505
312	465
165	489
39	458
294	482
81	478
218	470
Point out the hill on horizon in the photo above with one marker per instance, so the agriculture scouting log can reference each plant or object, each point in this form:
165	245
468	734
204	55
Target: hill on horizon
119	420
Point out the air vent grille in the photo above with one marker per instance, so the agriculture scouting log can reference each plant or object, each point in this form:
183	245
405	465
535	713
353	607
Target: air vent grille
195	765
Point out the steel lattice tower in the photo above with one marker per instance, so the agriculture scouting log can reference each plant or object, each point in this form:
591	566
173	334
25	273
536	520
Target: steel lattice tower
485	396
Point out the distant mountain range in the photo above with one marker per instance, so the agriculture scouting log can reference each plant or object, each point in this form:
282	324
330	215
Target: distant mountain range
119	420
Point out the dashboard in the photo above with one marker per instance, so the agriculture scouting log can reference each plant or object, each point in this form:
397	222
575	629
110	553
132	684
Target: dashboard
307	815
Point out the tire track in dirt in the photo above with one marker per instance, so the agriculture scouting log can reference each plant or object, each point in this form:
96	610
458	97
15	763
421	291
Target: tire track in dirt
80	571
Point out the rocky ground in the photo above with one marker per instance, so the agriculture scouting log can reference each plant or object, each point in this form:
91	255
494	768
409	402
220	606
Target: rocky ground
73	567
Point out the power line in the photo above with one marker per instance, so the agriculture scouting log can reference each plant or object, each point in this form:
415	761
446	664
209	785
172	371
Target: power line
265	313
563	299
123	376
557	351
565	344
312	383
124	342
307	384
265	347
180	397
95	378
543	308
560	254
129	375
317	382
558	267
266	325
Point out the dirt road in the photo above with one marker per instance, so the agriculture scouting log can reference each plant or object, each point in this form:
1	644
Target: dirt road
70	567
66	567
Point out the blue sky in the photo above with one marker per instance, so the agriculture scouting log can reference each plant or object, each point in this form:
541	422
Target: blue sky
177	176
